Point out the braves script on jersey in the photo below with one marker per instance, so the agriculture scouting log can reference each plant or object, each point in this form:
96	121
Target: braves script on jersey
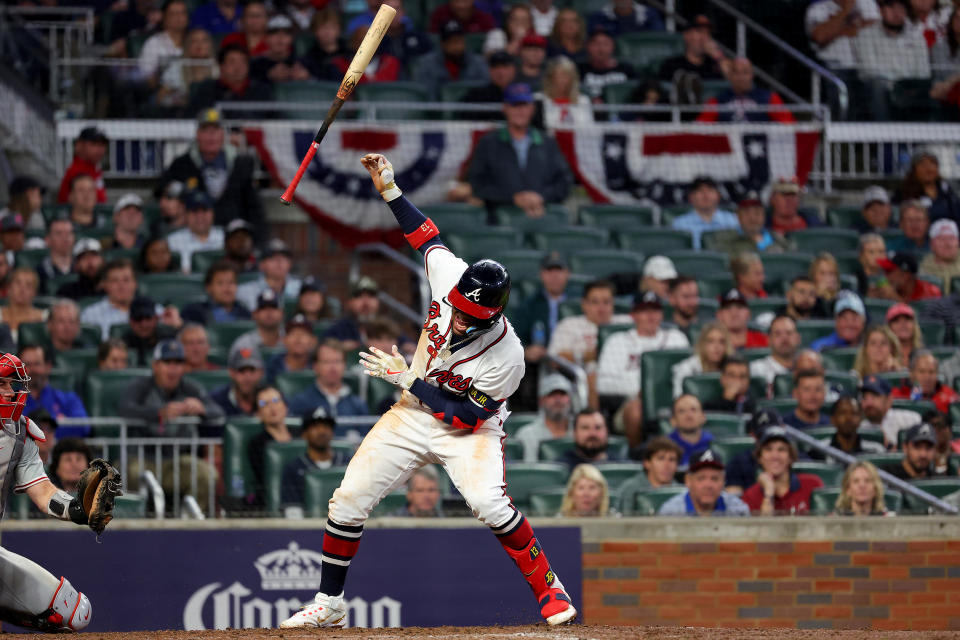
489	366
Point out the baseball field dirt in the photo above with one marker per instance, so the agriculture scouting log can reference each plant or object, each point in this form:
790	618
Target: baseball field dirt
533	632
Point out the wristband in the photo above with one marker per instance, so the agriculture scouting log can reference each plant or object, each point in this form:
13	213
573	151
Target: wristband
391	193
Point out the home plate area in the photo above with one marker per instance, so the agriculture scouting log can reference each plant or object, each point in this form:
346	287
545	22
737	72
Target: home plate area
528	632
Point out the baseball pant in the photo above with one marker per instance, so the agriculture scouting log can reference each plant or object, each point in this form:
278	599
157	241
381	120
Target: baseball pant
25	586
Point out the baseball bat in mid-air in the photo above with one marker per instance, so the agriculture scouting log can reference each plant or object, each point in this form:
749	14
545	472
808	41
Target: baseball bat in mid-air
350	79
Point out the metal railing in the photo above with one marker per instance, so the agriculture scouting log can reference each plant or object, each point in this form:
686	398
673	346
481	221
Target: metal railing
423	287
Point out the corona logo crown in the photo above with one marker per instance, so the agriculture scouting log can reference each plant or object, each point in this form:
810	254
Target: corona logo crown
290	568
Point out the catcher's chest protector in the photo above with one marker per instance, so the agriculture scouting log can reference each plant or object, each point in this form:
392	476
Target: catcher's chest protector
13	436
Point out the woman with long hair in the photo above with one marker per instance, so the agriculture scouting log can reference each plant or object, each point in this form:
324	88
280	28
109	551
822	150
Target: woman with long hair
569	36
166	45
902	322
516	24
587	494
747	270
923	180
713	344
879	353
825	273
197	64
862	492
561	100
21	293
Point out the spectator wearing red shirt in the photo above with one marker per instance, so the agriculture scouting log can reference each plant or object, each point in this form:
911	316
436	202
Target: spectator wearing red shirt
472	19
785	214
253	29
901	271
745	98
924	384
88	151
778	490
383	67
734	314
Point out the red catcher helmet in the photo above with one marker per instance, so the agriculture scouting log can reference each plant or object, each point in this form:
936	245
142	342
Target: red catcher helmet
12	368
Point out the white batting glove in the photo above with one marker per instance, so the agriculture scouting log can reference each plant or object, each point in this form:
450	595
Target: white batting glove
390	367
381	171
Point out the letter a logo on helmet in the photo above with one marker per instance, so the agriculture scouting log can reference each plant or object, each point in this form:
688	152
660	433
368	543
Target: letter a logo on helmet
482	291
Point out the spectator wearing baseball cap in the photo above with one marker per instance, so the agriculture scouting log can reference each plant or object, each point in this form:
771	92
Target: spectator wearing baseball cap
902	270
25	197
742	468
657	273
778	490
89	149
701	57
128	222
876	399
625	16
554	419
312	300
238	398
850	317
734	314
362	306
87	264
145	331
924	383
705	213
914	223
280	63
533	56
268	316
299	345
276	260
901	319
876	215
752	235
317	430
618	368
687	419
173	208
220	305
785	212
501	73
215	167
519	165
200	233
943	260
919	450
704	495
846	416
660	458
451	62
238	245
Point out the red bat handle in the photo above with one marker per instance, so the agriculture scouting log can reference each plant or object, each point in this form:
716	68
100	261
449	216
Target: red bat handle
287	196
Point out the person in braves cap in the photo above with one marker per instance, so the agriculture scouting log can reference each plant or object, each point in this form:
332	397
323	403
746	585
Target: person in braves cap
734	314
239	398
742	468
317	428
704	495
919	449
778	490
902	270
467	363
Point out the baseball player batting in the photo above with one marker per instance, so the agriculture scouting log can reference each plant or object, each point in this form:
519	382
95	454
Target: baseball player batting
30	596
468	362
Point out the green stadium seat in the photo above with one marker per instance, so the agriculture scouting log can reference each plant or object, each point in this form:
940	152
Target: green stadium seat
825	239
395	92
778	267
657	384
811	330
937	487
712	88
568	239
670	213
522	264
492	241
171	288
616	217
602	263
79	361
782	405
517	420
200	261
103	389
556	215
318	489
754	353
728	447
712	285
547	502
32	333
620	92
291	383
616	473
649	48
523	478
649	501
315	97
209	380
390	504
823	501
919	406
840	359
895	378
513	451
554	450
54	283
881	460
223	334
117	254
724	425
877	309
829	473
377	391
456	91
604	332
276	456
770	304
64	380
129	506
696	262
842	217
705	386
654	240
455	217
844	382
238	475
30	258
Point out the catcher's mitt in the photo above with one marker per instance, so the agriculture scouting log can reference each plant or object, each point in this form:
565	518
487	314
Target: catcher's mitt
99	485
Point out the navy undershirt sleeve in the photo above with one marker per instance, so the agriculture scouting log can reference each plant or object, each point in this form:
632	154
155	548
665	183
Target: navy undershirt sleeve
451	405
410	218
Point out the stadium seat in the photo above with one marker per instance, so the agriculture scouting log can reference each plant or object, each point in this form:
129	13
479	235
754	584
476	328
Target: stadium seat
291	383
841	217
656	378
525	477
30	258
782	405
602	263
712	285
770	304
919	406
209	380
492	241
669	213
546	502
513	451
825	239
556	215
377	392
754	353
63	379
103	389
811	330
649	48
54	283
129	506
778	267
77	360
616	217
275	457
315	97
619	92
238	475
705	386
517	420
453	217
32	333
522	264
877	309
823	501
696	262
724	425
711	89
616	473
728	447
223	334
654	240
829	473
318	489
649	501
569	238
200	261
840	359
895	378
555	449
172	288
395	92
937	487
881	460
604	332
390	504
456	91
116	254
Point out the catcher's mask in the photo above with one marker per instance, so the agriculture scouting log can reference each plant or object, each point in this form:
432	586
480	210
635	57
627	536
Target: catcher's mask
14	373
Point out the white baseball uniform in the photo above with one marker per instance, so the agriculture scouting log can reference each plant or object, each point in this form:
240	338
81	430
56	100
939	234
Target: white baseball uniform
488	365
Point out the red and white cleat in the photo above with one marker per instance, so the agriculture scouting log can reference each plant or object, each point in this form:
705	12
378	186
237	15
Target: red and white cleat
556	607
324	611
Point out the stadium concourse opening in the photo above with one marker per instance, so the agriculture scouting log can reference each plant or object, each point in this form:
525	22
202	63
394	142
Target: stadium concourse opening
530	632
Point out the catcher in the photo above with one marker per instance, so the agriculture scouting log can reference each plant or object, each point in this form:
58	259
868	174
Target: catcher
30	596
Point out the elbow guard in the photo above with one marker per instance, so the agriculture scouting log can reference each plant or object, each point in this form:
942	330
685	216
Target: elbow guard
421	234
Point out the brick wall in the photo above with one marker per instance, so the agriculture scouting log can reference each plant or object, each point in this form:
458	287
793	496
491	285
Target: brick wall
843	584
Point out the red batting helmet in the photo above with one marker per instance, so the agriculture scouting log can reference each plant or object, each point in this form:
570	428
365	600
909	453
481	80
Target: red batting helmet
12	368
